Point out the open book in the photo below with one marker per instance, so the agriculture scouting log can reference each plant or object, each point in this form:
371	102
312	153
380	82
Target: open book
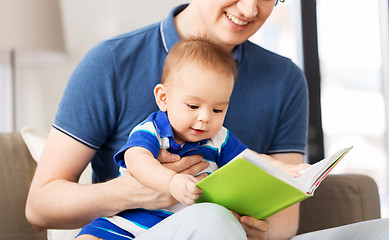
252	186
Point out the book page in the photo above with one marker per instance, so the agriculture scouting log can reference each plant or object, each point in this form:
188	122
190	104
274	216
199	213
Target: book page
313	175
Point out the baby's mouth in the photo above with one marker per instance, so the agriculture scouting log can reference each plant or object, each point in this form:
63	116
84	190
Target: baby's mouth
198	131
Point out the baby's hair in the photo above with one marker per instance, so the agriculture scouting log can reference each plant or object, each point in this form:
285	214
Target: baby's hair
202	52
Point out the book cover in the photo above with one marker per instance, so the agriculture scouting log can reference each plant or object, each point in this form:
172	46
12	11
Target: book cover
250	185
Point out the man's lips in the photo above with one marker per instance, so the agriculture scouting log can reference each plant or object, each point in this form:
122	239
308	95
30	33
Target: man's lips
236	20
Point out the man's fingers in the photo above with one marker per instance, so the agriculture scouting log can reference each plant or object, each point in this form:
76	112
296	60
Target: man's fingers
261	225
254	228
201	176
166	157
191	165
196	168
186	165
237	216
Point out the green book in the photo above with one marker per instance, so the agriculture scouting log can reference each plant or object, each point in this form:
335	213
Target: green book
252	186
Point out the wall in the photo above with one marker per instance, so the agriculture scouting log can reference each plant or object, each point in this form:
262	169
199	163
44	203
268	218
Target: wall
86	22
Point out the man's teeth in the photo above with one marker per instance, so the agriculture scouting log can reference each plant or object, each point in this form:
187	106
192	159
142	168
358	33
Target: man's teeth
236	20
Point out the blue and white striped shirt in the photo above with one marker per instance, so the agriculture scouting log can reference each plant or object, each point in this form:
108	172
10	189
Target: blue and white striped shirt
156	133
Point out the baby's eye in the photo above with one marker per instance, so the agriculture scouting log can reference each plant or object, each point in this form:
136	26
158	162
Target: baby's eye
191	106
217	110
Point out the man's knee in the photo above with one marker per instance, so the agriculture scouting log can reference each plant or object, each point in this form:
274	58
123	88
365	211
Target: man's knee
209	212
215	220
198	221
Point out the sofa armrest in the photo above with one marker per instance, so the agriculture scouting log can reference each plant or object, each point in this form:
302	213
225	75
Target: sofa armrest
16	172
341	199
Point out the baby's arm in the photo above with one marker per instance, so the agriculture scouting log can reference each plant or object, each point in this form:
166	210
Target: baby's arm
149	171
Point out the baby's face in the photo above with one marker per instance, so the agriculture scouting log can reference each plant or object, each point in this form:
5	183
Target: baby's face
197	102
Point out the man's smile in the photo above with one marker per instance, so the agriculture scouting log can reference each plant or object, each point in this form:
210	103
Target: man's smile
236	20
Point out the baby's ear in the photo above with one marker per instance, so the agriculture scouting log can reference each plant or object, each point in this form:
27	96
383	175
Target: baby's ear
161	97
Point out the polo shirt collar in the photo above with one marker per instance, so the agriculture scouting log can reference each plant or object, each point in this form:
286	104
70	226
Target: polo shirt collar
237	53
170	36
162	124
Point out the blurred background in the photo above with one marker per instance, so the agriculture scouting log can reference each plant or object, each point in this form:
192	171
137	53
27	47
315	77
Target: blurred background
348	77
341	45
352	69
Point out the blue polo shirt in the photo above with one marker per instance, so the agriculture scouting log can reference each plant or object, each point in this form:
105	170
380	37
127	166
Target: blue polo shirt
111	91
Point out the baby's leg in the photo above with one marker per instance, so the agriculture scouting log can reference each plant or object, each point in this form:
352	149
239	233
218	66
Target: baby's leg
102	228
87	237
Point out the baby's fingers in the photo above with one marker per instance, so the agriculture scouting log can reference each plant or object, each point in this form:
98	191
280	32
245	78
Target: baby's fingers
193	192
188	201
192	188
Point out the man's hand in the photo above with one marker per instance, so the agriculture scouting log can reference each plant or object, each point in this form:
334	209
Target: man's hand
139	196
293	169
255	229
191	165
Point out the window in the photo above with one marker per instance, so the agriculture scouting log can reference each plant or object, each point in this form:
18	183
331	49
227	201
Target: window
353	52
281	33
353	103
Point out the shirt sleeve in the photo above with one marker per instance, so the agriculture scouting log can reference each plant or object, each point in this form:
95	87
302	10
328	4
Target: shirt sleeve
89	107
142	136
230	149
291	128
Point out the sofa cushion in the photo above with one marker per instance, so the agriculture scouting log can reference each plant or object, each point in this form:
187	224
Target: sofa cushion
341	199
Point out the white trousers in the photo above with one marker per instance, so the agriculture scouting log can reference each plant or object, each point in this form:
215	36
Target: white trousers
197	222
211	221
368	230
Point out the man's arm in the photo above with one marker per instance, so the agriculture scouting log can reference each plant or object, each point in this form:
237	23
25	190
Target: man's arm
284	225
56	200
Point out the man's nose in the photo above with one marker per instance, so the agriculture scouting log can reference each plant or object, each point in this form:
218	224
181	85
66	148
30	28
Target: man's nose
249	8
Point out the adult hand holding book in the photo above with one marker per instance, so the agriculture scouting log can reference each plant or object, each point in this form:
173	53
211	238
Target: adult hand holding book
252	186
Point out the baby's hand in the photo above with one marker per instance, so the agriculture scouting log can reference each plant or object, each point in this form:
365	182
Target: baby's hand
183	188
